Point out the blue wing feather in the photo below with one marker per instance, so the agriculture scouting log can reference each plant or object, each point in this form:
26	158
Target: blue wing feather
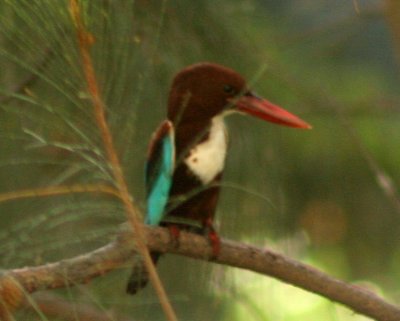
159	172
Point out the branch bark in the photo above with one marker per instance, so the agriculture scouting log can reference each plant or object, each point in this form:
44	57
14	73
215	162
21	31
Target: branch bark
120	252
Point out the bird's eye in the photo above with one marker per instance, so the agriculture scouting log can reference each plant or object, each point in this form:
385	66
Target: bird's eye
229	89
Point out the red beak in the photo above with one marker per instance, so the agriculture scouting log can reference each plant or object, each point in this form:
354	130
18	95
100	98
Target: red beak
262	108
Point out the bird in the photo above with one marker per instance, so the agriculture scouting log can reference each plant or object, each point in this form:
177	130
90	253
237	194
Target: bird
187	152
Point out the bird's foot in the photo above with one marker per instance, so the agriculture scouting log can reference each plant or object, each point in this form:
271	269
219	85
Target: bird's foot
215	242
213	238
174	232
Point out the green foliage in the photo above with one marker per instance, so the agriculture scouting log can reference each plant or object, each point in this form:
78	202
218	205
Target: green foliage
311	194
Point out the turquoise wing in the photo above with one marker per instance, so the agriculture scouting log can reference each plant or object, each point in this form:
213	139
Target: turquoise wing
159	172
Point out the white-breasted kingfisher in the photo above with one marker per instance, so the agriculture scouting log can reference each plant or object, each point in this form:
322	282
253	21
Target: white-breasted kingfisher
187	152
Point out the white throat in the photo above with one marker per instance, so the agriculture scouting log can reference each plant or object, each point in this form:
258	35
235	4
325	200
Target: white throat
206	160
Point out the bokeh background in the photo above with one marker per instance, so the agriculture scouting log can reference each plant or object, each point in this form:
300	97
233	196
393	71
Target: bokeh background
327	197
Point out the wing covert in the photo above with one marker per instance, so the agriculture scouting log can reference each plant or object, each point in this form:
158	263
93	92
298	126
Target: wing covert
159	171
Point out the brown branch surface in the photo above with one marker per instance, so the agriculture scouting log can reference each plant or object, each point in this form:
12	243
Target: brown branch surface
261	260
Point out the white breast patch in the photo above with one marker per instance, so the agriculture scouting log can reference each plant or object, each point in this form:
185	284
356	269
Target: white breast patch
207	159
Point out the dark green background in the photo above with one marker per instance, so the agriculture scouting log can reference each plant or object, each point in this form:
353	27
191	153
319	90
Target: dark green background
316	195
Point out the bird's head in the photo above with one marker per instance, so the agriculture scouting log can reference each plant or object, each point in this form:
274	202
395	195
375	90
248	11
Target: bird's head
205	90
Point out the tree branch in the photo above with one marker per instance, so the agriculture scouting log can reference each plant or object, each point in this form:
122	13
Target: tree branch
118	253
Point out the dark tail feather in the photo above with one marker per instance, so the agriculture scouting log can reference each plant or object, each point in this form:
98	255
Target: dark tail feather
139	276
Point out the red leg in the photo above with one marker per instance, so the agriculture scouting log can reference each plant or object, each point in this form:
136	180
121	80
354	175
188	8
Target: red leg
174	232
213	237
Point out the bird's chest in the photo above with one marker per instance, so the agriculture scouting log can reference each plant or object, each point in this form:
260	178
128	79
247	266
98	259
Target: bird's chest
207	159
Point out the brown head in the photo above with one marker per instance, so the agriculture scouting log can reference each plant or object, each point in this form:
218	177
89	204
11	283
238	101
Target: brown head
202	91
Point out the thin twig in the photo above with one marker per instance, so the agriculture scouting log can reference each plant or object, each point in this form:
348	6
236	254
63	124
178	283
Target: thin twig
30	79
392	15
356	6
85	40
58	190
